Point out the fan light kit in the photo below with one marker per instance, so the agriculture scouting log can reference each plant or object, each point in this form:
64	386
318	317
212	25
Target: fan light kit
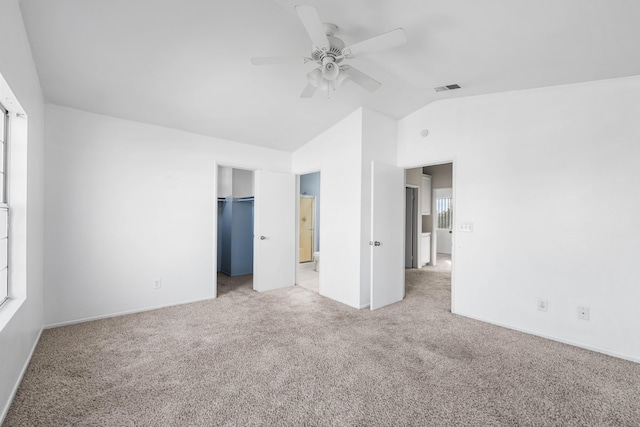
330	53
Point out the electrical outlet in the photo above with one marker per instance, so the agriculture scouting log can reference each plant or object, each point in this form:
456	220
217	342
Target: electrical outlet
543	304
157	284
583	313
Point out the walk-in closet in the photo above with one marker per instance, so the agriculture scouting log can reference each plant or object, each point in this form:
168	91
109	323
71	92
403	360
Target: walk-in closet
235	229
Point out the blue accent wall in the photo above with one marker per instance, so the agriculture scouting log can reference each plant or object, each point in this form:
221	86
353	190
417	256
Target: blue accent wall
235	236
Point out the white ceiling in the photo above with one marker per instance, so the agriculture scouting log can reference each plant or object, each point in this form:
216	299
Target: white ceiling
185	63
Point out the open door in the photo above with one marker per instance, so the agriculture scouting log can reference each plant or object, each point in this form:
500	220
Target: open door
387	234
274	231
307	228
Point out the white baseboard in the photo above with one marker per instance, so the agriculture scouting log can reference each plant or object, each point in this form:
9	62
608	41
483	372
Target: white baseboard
555	338
123	313
20	377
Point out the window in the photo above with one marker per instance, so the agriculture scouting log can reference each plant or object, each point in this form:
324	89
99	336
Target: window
444	212
4	207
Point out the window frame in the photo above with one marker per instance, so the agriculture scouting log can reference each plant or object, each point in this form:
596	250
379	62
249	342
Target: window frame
444	215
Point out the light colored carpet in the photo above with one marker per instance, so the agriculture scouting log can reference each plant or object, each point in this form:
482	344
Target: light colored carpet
292	357
228	284
443	263
308	278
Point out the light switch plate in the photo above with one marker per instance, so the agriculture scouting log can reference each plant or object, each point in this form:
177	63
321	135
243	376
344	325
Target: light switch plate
467	227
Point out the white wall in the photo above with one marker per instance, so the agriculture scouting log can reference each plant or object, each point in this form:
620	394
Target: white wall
234	182
379	143
441	175
225	181
414	177
128	203
337	154
343	154
242	183
551	175
21	317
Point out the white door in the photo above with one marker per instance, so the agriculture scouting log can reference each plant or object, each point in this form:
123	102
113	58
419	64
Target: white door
444	212
274	231
387	234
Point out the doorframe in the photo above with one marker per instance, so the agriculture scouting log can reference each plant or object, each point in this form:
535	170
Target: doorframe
297	216
416	261
216	176
454	200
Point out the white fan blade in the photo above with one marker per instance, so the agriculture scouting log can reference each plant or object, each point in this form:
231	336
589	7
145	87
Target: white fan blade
361	78
308	91
311	21
380	42
280	60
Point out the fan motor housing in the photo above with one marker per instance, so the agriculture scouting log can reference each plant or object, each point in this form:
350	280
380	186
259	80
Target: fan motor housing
335	48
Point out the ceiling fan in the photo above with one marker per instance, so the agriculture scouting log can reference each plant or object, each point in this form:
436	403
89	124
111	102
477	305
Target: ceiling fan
330	53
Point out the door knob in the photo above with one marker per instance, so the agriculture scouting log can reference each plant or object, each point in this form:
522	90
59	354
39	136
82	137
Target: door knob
262	238
374	243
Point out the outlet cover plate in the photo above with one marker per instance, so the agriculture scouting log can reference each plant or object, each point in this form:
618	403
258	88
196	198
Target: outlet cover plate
543	305
583	313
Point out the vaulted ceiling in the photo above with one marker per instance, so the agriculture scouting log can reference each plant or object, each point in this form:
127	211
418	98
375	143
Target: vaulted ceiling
186	64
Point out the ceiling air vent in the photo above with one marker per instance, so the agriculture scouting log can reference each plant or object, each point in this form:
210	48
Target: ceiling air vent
447	87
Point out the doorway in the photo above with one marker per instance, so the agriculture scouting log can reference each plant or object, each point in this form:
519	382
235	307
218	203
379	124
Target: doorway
435	228
307	225
440	223
308	271
235	230
411	227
